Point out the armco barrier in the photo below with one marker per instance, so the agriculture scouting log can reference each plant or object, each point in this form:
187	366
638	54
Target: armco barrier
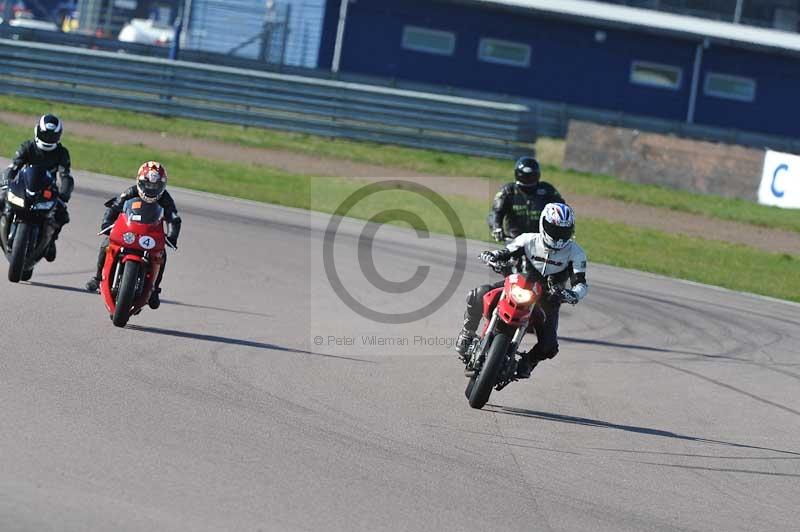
264	99
249	92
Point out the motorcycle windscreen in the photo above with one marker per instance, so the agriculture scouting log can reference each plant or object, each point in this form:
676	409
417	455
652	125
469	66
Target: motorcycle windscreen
36	178
142	212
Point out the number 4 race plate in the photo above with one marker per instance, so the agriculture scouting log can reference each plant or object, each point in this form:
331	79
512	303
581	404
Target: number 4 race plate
147	242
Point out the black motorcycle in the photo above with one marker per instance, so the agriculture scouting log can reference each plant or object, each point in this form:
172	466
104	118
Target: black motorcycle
27	223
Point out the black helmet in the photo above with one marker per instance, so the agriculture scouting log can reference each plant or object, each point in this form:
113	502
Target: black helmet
527	171
47	132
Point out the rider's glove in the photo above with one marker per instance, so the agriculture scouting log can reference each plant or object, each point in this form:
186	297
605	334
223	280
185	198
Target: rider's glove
568	296
497	234
495	255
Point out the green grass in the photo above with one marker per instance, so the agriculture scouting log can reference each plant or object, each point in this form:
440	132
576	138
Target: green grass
423	161
615	244
711	262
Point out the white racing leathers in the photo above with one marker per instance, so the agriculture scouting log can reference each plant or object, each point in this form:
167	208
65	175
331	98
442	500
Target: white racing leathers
564	265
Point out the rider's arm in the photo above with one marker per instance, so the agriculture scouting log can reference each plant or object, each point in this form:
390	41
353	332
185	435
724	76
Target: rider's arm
21	157
578	273
516	248
114	207
171	216
500	208
67	182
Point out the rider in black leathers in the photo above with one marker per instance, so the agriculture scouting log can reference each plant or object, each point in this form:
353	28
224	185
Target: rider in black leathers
46	150
517	206
151	183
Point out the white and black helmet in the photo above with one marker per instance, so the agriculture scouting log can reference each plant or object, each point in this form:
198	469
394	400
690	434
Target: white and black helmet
47	132
557	225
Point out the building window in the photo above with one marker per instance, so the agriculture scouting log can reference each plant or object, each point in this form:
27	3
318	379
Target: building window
730	87
429	41
504	52
656	75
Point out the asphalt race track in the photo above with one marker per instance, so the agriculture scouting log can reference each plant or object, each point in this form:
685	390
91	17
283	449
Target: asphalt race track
254	399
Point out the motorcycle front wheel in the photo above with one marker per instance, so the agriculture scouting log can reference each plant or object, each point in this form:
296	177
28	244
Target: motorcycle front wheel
487	378
126	293
19	250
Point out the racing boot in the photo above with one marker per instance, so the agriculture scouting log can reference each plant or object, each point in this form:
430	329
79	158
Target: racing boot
525	366
154	302
463	342
50	253
93	284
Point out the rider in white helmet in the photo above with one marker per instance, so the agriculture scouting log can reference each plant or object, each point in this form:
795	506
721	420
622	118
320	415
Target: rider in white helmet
550	255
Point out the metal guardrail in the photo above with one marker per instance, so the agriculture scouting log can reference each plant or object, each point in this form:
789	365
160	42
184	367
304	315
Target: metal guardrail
264	99
273	96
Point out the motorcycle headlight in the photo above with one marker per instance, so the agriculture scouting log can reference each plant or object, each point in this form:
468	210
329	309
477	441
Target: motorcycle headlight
16	200
43	206
521	295
129	238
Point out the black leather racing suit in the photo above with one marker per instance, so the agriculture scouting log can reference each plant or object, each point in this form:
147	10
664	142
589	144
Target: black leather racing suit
519	207
56	160
114	209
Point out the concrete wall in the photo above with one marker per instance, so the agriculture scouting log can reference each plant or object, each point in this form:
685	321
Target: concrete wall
631	155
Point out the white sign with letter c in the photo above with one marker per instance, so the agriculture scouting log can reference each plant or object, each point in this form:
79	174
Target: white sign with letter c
780	180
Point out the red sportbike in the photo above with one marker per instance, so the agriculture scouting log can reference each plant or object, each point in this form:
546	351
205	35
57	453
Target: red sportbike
508	314
134	258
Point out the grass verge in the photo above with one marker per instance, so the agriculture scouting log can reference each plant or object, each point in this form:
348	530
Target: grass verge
695	259
423	161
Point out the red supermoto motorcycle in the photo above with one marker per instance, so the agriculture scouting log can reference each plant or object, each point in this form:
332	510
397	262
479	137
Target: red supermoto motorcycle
133	260
508	314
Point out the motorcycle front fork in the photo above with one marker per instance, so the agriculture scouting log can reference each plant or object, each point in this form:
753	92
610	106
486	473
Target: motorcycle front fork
477	349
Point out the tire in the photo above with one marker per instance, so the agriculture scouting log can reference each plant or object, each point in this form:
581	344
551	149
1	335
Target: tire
470	386
27	274
487	378
126	293
18	251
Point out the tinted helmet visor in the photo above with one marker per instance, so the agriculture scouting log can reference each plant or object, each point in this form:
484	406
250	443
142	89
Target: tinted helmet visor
557	232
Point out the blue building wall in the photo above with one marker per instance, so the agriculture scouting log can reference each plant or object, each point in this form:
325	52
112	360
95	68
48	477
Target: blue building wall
775	109
568	63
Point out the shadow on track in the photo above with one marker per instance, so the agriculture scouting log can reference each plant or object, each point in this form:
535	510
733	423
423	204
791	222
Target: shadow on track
237	341
163	301
218	309
63	274
61	287
606	343
546	416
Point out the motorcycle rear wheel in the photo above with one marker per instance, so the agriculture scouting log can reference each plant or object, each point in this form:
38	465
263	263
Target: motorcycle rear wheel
487	378
19	250
126	293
